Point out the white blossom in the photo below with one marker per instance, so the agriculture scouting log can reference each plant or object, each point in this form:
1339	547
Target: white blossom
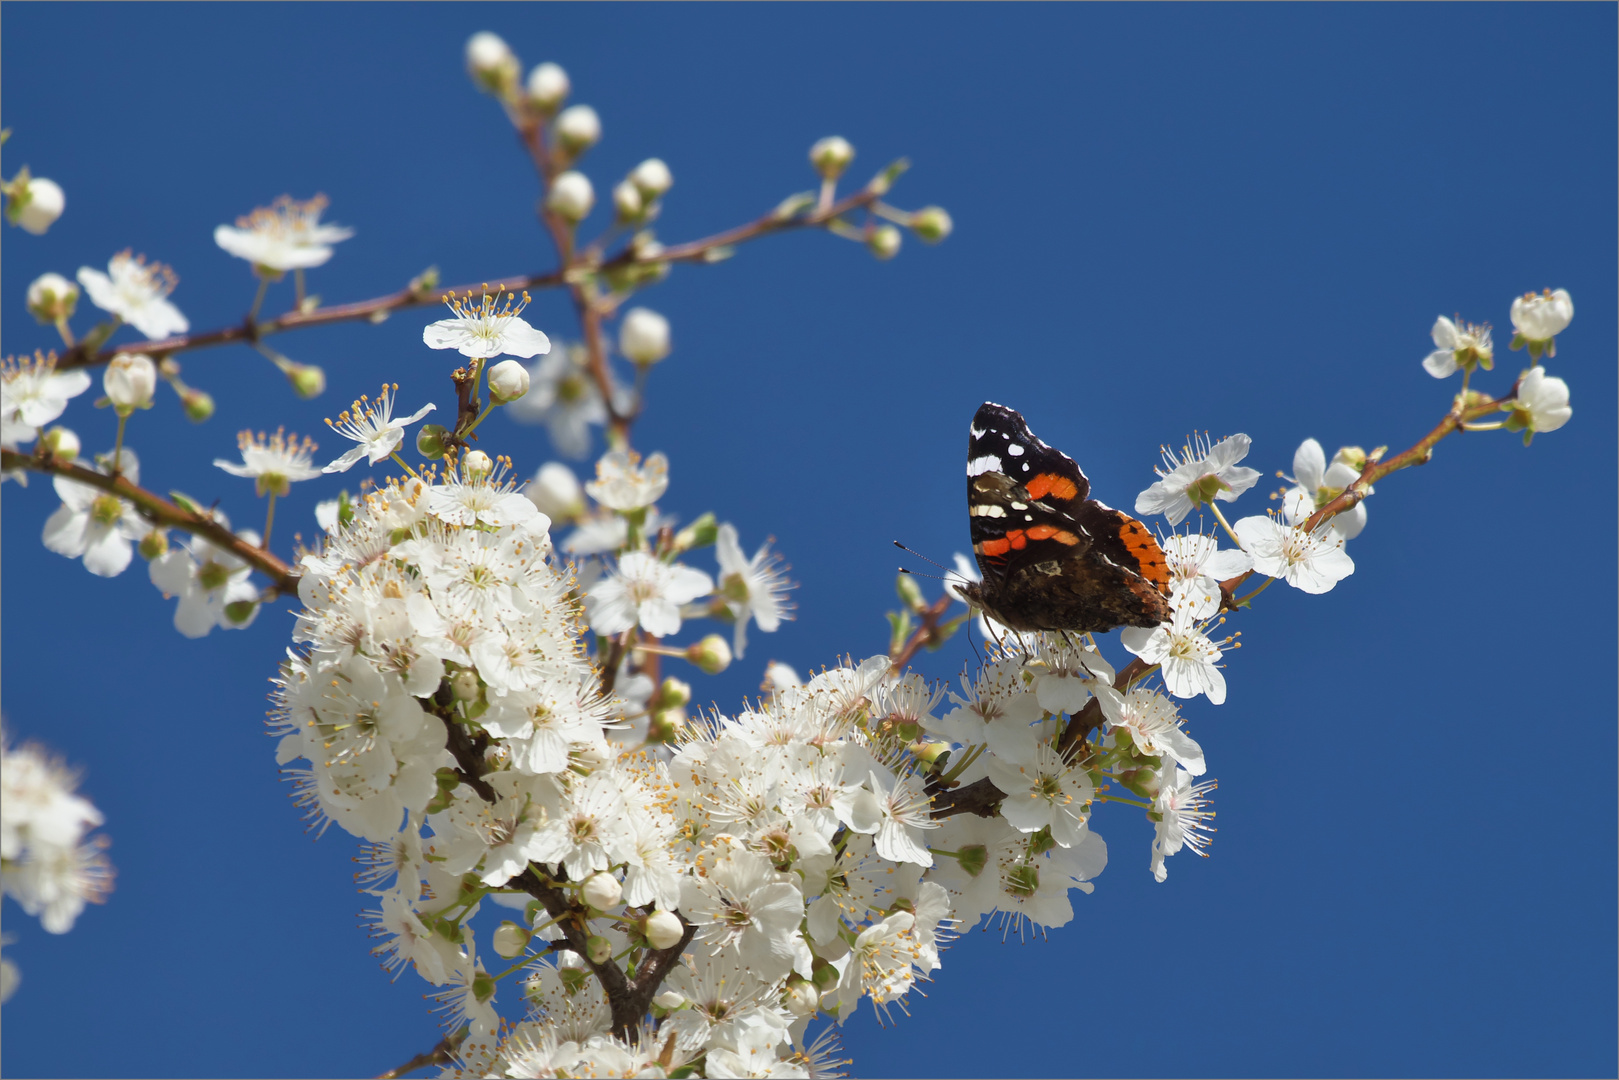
753	588
33	393
643	336
1541	404
1200	473
286	235
137	292
647	591
1179	813
623	482
274	463
486	328
1458	345
373	426
1189	660
1316	483
212	584
95	524
564	397
1312	562
40	204
1197	565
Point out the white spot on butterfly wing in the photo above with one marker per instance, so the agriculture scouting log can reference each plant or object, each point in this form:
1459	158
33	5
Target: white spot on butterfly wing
1015	450
980	465
1025	466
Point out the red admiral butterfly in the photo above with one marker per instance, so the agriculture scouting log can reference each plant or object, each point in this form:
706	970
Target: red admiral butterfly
1052	558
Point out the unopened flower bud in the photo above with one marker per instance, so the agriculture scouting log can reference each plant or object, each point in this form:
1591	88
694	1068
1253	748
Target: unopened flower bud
578	128
477	464
154	545
931	224
52	297
801	998
643	337
129	382
602	891
823	974
464	685
627	202
548	87
508	381
669	999
37	206
927	751
571	197
663	930
1538	319
910	593
672	694
711	655
831	156
491	63
556	491
198	404
652	177
431	440
884	241
598	950
511	940
61	443
308	380
664	725
1143	782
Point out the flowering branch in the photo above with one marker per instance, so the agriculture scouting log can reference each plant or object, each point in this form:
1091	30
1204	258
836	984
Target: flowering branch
1376	468
160	511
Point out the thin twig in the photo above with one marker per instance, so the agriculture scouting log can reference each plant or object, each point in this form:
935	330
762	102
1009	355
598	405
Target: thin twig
441	1054
925	634
162	512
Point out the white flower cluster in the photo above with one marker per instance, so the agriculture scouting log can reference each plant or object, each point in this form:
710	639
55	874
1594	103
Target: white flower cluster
47	864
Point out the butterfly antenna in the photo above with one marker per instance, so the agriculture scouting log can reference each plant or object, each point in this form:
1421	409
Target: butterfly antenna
924	558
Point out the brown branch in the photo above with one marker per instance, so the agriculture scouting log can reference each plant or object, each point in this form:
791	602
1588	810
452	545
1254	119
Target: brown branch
926	634
441	1054
162	512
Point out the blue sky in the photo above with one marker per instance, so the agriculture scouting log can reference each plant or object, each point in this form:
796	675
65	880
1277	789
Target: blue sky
1169	218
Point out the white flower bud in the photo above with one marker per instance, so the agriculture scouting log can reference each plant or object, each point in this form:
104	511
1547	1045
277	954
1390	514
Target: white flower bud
669	999
652	177
884	242
491	62
548	87
129	382
602	891
643	337
578	128
672	694
510	940
663	931
477	463
711	655
801	998
557	493
1538	319
42	203
508	381
571	196
831	156
627	202
61	443
51	298
464	685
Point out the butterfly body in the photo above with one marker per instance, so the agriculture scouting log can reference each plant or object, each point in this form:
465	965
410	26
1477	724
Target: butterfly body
1053	558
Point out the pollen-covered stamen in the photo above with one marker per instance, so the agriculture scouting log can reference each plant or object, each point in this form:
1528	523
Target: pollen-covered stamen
131	272
489	314
286	217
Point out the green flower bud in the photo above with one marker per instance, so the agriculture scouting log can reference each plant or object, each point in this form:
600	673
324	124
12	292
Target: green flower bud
884	241
308	380
711	655
931	224
511	940
154	545
831	156
432	440
198	404
464	685
598	950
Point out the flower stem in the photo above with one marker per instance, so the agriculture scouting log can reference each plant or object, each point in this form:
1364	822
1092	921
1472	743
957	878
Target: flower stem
66	332
298	287
258	299
269	520
1122	799
1240	601
118	446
